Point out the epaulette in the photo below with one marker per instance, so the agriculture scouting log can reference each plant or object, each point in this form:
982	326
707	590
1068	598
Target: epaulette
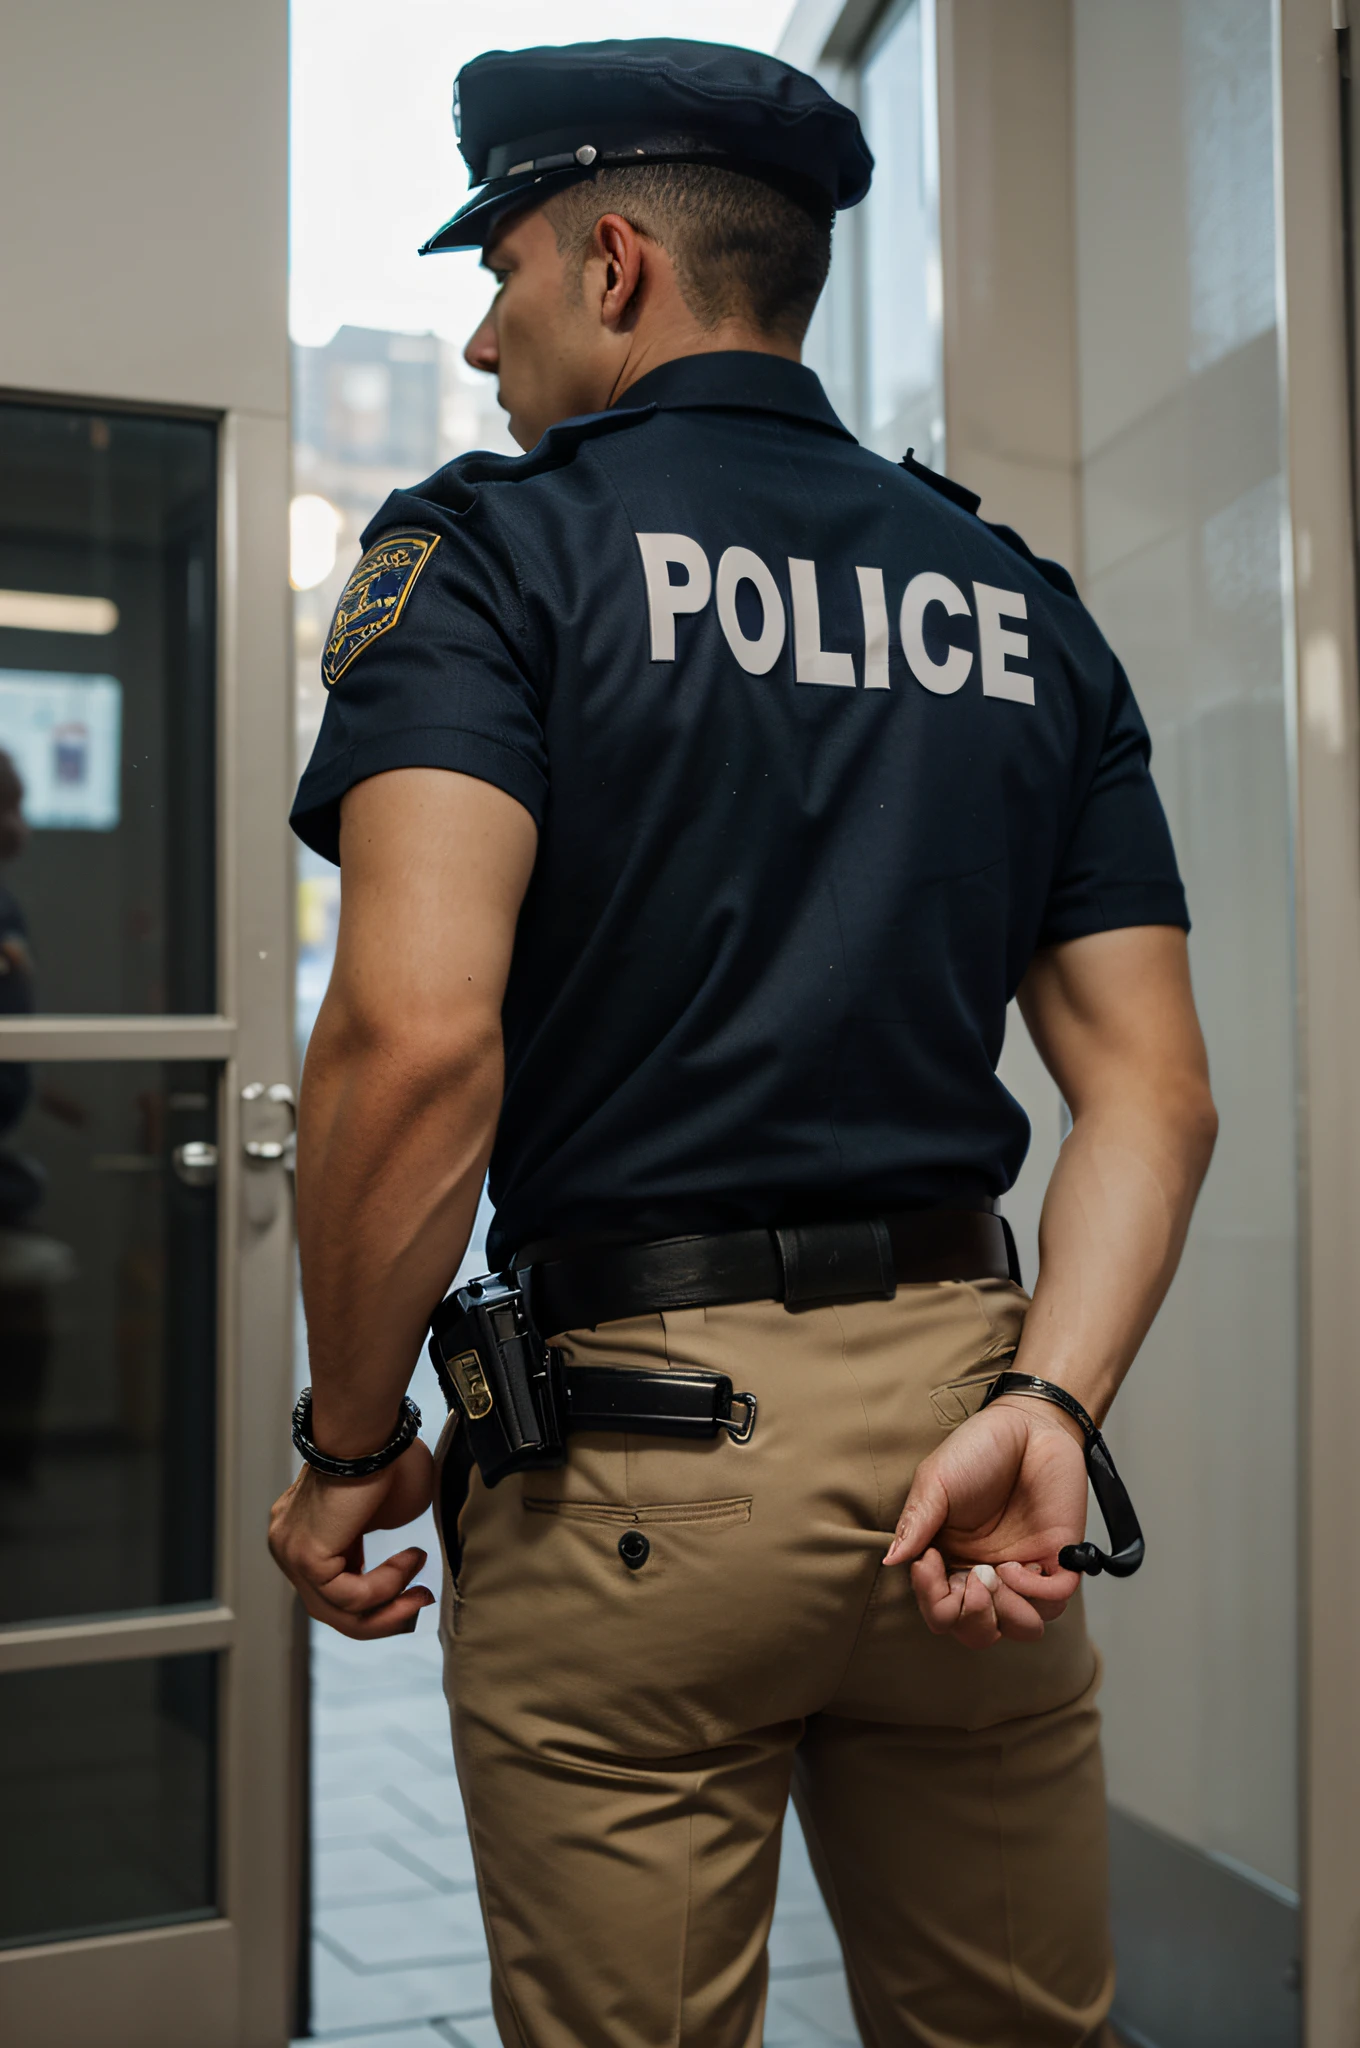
957	494
969	501
1052	572
456	484
454	487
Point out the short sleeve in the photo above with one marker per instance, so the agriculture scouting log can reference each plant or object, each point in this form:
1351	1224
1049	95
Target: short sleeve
1118	867
426	665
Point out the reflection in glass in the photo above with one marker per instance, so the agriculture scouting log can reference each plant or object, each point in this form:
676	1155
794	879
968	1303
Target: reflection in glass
1228	117
107	1332
107	1775
903	400
107	550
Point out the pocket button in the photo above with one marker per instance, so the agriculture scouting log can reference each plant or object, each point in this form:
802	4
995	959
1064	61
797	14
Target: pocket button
634	1549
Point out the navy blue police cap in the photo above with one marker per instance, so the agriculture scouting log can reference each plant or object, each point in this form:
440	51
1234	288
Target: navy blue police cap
530	122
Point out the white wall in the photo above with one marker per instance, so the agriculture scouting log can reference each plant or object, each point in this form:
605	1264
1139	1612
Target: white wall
1183	509
1111	379
143	239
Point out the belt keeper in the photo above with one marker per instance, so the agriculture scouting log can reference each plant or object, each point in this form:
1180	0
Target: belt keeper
826	1262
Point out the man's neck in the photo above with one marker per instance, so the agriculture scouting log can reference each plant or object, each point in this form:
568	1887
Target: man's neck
651	351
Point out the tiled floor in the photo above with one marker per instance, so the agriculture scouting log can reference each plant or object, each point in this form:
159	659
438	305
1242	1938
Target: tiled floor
398	1957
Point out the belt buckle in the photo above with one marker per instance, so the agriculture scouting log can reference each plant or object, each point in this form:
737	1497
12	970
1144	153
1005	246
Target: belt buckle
826	1262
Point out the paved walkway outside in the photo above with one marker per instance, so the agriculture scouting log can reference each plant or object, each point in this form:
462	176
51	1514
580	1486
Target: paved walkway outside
399	1960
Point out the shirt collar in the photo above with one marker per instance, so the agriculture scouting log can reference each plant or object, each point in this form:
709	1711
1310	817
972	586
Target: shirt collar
744	380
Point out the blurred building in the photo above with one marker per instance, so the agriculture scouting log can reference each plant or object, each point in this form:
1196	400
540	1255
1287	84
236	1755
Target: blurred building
372	412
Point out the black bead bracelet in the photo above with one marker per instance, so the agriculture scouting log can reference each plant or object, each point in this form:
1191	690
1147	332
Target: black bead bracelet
401	1439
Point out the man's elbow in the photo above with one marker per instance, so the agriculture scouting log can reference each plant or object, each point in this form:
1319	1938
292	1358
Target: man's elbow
412	1047
1196	1120
1165	1106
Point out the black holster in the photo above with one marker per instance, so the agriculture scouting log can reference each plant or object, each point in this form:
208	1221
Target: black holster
495	1369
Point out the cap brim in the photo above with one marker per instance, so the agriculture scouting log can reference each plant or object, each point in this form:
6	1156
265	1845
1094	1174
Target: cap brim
475	219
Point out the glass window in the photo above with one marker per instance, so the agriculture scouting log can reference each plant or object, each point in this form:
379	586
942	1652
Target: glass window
107	571
902	398
108	1254
107	1778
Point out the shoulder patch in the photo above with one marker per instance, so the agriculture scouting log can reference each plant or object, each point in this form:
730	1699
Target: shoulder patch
372	601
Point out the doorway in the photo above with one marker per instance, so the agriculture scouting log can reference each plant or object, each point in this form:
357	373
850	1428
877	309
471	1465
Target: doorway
145	1222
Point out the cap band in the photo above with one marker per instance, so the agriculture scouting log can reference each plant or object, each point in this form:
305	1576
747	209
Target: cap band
593	143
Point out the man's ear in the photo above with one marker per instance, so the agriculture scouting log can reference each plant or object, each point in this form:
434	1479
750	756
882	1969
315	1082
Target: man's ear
617	253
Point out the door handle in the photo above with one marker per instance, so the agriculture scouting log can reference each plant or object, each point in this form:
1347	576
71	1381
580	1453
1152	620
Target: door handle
195	1163
269	1151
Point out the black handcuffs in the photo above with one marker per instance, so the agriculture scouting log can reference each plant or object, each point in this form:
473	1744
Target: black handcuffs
401	1439
1112	1496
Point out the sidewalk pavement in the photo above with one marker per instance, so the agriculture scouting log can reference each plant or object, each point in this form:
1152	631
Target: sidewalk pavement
398	1955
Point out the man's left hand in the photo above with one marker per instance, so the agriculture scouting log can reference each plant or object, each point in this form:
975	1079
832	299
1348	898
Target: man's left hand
984	1521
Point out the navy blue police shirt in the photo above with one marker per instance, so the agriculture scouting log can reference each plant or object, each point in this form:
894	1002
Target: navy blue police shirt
817	759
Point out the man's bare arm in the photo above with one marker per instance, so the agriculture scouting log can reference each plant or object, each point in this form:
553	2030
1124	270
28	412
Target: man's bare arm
400	1097
402	1086
1114	1021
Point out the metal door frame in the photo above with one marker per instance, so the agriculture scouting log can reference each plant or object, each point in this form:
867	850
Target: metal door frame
1327	908
226	1981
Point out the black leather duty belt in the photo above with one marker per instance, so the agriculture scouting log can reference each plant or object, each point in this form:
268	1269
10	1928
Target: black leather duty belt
806	1265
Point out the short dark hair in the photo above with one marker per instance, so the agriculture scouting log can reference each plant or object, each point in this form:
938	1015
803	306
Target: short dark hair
742	247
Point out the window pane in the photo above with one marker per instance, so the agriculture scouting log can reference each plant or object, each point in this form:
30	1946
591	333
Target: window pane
107	551
107	1337
107	1776
904	389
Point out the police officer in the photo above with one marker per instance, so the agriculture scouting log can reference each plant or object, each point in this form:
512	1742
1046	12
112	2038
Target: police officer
704	786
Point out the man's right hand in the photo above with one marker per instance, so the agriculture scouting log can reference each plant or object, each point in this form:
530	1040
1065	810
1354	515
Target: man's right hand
984	1521
316	1535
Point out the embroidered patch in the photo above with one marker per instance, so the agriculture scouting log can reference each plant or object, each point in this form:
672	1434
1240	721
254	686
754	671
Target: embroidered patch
372	600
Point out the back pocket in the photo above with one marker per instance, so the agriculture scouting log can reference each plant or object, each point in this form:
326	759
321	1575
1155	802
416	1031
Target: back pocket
956	1400
617	1516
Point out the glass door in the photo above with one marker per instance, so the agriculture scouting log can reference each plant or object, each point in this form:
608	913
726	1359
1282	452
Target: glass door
145	1226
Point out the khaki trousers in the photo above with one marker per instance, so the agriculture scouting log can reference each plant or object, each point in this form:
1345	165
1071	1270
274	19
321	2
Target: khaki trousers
626	1739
